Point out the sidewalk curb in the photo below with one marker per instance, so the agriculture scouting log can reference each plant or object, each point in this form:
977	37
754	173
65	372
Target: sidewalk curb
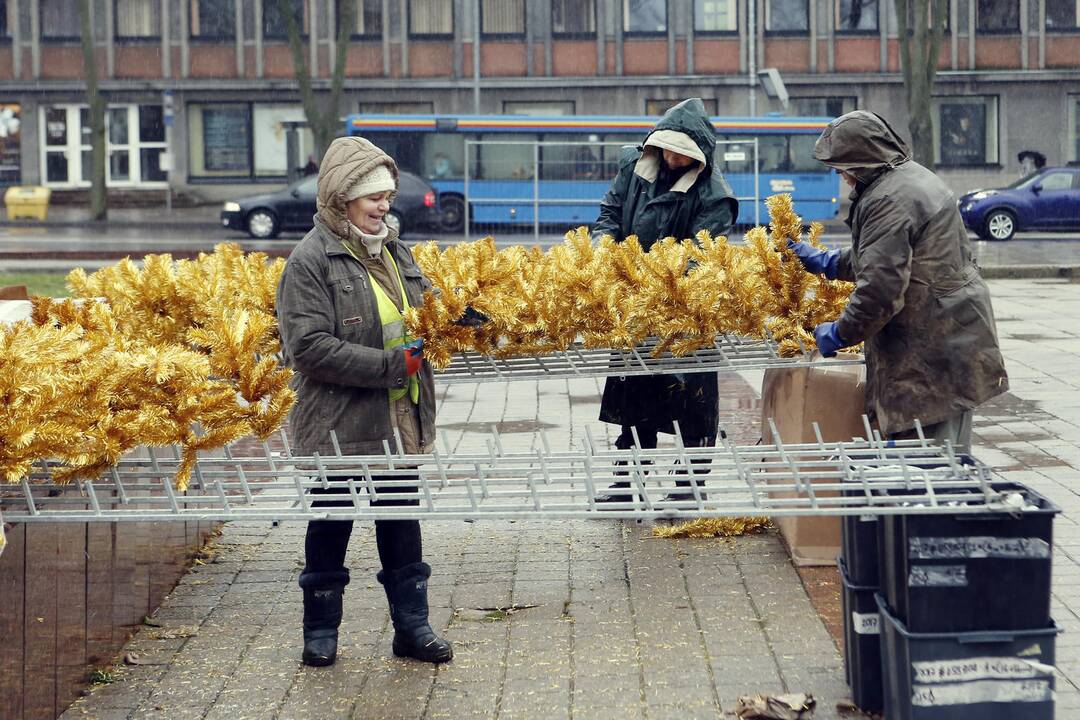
203	225
1026	272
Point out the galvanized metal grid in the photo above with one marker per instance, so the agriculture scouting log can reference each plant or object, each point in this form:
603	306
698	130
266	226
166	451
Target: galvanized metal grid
727	352
819	478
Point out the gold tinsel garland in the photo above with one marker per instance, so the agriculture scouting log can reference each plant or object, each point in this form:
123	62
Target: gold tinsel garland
615	295
184	352
174	353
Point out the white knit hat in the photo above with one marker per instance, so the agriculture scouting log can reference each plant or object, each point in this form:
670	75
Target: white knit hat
377	180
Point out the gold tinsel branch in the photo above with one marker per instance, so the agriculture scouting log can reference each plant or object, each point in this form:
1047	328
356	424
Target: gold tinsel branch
615	295
174	352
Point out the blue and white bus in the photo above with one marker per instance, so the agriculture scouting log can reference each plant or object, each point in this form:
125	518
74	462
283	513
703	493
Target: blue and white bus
560	167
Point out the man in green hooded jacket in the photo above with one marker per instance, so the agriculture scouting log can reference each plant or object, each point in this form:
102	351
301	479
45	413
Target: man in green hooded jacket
920	306
667	187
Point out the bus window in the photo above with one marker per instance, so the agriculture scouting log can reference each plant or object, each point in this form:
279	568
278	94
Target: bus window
610	167
732	156
773	154
497	161
443	156
400	146
575	157
801	154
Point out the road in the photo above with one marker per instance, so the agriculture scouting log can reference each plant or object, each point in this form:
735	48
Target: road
47	246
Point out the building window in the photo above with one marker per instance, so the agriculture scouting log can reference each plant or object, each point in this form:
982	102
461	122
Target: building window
369	22
965	131
274	22
58	22
214	19
1062	14
573	17
657	107
715	16
786	16
431	18
135	141
7	19
137	19
644	16
823	106
396	108
219	140
243	141
538	108
10	142
856	15
502	17
998	15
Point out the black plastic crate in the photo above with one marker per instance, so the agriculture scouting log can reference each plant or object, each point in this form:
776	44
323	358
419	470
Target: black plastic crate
862	643
973	571
966	676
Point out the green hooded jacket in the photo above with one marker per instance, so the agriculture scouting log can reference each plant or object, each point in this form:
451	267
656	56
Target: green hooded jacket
634	205
919	305
637	204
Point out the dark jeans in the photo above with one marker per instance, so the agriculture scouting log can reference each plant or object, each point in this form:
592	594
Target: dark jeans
647	440
398	541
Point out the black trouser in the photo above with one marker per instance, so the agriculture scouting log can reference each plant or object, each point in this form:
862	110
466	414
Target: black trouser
398	541
647	441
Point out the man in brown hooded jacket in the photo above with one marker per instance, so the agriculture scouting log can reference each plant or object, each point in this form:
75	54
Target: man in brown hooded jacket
919	305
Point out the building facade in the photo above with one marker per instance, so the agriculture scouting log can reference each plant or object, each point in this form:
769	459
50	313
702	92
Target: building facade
198	89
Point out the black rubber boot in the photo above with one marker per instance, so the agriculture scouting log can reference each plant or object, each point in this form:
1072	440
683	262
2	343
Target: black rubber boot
406	591
322	614
689	494
613	495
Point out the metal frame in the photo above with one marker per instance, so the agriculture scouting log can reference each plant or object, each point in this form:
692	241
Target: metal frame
728	352
845	478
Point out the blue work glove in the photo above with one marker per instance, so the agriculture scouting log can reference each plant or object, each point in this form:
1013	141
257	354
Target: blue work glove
414	355
827	337
822	262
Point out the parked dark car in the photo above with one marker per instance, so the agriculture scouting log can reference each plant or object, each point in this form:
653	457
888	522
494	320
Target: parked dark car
1046	200
292	208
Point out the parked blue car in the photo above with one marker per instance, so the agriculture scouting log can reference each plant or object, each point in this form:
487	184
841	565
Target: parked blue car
1046	200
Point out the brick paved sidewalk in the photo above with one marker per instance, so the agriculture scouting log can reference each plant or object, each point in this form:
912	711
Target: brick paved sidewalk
550	619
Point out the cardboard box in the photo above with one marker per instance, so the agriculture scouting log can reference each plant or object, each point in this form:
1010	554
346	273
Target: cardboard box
833	396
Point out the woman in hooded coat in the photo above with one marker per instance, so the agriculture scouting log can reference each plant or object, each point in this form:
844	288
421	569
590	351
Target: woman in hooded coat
667	187
339	306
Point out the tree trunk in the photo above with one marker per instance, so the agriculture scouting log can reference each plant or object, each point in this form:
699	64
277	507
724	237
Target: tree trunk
324	122
920	46
98	202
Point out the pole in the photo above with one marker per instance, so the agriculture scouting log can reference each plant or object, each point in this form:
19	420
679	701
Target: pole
751	53
169	176
476	57
536	190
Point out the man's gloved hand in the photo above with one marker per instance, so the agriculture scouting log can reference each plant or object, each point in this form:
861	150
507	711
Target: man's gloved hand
472	318
414	355
828	339
823	262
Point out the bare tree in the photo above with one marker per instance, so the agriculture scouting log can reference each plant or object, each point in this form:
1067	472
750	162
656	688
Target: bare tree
98	205
921	24
322	110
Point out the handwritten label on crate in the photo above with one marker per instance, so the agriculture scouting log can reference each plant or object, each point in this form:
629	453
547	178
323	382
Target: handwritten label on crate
978	668
982	691
866	623
947	548
937	576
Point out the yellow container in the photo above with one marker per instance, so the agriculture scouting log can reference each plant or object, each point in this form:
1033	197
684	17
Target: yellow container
27	201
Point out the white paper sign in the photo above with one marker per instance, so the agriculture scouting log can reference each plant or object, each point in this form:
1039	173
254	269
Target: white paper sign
982	691
866	623
947	548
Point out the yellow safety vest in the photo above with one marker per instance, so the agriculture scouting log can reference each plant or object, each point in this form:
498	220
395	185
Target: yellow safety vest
393	325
